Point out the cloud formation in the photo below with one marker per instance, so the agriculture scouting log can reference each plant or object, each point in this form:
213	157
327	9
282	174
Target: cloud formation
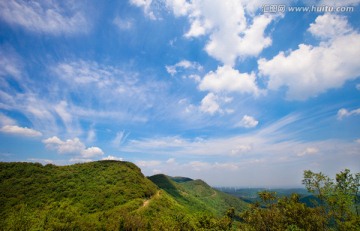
226	79
247	122
20	131
183	64
311	70
44	16
234	32
72	146
109	157
267	151
342	113
146	5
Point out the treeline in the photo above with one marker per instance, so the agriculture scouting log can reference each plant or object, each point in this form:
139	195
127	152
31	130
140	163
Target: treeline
336	207
113	195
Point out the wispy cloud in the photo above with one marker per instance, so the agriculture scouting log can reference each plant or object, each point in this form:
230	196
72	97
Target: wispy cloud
50	17
120	138
342	113
5	120
146	5
260	142
20	131
185	65
265	163
123	24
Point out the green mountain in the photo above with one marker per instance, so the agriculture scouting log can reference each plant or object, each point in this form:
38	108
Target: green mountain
107	195
196	195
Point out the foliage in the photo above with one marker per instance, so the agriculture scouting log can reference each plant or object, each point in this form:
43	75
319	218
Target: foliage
196	195
340	198
286	213
115	195
103	195
36	197
335	209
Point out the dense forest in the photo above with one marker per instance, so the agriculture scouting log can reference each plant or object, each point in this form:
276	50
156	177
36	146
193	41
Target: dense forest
115	195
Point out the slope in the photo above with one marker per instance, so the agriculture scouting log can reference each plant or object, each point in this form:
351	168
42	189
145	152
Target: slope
196	195
90	196
104	195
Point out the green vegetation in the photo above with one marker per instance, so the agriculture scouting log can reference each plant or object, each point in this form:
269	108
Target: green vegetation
115	195
336	207
196	195
103	195
68	197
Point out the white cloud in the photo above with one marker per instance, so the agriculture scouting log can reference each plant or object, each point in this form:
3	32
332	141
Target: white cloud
10	65
171	161
274	139
119	138
119	94
44	16
63	147
184	65
268	151
91	152
342	113
240	149
91	136
112	158
338	3
226	46
20	131
150	163
123	24
63	110
312	70
83	73
199	165
247	122
329	26
4	120
209	104
80	160
233	29
146	5
358	87
72	146
227	79
179	7
308	151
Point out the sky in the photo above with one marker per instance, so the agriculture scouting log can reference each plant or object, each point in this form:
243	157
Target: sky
237	93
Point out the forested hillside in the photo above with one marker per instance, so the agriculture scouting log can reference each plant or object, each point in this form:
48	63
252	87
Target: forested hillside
198	195
103	195
115	195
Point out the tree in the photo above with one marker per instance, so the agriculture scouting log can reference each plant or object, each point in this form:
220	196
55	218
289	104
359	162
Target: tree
286	213
339	198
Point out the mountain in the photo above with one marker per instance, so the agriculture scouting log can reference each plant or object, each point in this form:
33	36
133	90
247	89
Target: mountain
198	195
106	195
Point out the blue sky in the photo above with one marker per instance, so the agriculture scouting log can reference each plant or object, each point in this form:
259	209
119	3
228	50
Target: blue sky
217	90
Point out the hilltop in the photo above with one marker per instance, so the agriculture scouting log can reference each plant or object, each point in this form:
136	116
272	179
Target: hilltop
106	195
197	195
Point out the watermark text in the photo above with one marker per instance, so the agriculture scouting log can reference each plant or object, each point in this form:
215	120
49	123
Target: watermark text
281	8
